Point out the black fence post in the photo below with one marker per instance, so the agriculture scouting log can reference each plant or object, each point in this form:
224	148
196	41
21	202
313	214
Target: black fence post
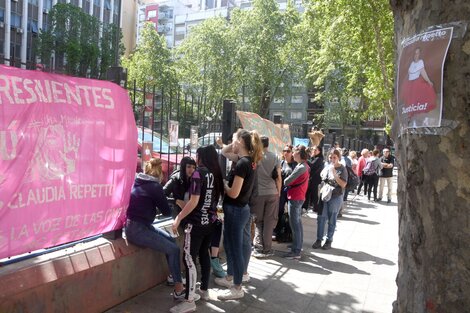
228	120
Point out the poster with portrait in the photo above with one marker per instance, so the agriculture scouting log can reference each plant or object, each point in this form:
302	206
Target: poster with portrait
419	78
147	148
173	132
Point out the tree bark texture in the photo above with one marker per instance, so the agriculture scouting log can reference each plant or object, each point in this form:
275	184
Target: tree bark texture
434	178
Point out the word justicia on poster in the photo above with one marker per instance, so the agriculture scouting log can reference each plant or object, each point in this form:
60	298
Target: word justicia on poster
420	78
66	164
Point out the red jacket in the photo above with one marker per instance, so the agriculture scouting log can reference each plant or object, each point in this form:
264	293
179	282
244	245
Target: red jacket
361	163
298	187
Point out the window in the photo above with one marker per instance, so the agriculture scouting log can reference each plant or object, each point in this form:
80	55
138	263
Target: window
107	4
297	99
33	2
296	115
152	14
15	20
279	100
2	15
47	5
33	26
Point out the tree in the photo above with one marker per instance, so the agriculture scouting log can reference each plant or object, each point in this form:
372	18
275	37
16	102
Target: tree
206	65
151	62
260	37
73	37
434	271
354	38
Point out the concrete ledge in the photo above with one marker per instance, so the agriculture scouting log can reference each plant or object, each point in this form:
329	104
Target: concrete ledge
89	277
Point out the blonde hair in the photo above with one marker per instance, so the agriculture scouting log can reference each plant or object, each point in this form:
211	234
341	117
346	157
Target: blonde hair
153	167
353	154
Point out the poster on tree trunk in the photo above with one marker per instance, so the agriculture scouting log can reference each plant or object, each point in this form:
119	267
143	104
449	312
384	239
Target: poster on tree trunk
420	78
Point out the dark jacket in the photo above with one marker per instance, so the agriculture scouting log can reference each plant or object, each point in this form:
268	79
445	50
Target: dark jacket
146	196
316	166
176	186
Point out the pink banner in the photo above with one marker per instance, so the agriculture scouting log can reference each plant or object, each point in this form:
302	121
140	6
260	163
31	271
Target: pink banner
67	158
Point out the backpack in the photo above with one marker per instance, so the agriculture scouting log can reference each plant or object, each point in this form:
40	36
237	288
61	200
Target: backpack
370	168
284	233
353	180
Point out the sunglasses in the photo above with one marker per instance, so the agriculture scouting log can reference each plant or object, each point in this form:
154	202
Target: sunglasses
286	151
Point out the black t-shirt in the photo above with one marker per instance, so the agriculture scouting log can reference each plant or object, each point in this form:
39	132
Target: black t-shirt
387	172
202	185
244	169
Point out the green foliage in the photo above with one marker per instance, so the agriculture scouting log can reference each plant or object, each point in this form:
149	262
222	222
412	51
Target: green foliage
206	65
73	36
151	62
354	55
342	48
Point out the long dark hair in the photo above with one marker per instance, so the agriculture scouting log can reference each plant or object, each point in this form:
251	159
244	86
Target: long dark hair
208	157
185	161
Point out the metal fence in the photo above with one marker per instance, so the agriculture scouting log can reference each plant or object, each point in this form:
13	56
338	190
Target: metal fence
155	110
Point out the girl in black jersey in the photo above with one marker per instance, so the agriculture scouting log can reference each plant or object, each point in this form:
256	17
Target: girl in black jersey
198	219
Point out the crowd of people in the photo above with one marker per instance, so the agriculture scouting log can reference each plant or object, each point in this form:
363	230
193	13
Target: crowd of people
259	191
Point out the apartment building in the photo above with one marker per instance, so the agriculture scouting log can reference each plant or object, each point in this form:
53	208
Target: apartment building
21	21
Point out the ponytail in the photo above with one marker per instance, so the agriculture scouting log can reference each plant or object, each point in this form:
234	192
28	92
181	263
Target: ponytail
252	144
256	152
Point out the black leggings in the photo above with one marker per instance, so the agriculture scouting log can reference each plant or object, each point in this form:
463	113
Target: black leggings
372	182
217	234
197	240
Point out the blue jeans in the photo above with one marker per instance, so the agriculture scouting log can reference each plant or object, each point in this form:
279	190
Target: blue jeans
159	240
235	221
295	221
330	213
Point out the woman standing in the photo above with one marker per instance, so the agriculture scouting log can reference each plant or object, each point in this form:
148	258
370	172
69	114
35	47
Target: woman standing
287	167
146	196
297	184
335	175
198	218
316	166
247	146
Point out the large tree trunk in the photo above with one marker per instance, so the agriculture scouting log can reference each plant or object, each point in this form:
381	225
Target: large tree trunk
434	178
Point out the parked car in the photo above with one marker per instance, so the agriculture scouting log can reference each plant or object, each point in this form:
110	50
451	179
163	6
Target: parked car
208	139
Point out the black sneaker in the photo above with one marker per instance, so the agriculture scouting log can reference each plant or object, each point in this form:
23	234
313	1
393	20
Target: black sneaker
316	244
389	200
327	245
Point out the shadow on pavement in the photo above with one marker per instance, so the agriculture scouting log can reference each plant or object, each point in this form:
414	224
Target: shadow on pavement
359	256
359	220
335	266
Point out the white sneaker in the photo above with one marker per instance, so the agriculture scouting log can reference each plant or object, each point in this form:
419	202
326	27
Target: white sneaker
246	278
182	296
204	294
224	282
232	294
184	307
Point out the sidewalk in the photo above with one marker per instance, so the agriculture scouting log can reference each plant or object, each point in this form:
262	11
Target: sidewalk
356	275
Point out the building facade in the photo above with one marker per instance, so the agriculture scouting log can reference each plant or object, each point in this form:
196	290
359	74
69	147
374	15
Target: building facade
21	21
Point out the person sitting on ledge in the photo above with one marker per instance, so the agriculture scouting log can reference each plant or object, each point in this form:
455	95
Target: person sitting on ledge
146	196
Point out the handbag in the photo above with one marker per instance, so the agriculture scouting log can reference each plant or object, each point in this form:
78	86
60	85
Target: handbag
326	191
